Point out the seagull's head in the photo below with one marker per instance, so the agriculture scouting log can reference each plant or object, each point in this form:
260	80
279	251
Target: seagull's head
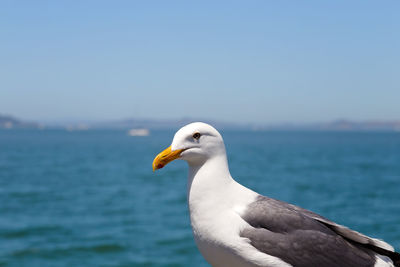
196	143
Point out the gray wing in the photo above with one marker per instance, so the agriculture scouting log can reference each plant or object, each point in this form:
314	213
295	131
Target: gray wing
303	238
343	230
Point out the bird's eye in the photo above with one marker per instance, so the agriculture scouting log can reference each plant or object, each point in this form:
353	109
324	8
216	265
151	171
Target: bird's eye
196	135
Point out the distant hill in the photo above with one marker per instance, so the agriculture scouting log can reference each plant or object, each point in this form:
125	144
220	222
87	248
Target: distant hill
159	124
340	125
10	122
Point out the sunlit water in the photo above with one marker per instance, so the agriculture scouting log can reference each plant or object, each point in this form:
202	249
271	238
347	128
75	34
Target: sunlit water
91	199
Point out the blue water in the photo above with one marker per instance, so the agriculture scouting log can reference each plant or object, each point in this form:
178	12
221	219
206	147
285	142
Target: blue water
91	199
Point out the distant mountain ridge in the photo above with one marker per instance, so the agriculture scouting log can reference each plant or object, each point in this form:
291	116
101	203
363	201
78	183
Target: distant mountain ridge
340	125
160	124
10	122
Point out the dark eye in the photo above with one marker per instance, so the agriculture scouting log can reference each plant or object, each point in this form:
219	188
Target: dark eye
196	135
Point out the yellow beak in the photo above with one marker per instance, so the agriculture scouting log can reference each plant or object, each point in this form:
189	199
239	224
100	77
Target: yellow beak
165	157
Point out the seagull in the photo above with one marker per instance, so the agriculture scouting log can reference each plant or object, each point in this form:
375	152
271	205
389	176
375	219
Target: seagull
234	226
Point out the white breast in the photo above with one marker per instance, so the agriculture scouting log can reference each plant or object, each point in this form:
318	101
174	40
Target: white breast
216	223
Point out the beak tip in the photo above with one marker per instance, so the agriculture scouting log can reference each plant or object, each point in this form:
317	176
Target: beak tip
165	157
157	167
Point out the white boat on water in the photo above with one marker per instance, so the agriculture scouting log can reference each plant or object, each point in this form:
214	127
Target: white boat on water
138	132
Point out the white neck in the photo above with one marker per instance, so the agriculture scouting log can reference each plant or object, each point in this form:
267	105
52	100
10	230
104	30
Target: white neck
215	201
208	178
212	190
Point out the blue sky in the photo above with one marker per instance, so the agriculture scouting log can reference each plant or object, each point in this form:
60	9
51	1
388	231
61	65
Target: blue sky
242	61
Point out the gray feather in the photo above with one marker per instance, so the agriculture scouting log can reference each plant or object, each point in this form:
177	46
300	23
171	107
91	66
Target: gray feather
303	238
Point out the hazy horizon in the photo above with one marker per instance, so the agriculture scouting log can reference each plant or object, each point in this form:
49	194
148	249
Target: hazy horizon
63	122
258	62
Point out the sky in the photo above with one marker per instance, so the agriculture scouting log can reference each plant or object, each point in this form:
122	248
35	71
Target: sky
235	61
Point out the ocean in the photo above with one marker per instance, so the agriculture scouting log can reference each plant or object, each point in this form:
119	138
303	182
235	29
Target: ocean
90	198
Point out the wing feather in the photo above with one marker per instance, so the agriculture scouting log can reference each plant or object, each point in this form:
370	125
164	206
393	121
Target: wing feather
304	238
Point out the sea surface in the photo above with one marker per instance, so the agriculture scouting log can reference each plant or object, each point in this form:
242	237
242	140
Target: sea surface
90	198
